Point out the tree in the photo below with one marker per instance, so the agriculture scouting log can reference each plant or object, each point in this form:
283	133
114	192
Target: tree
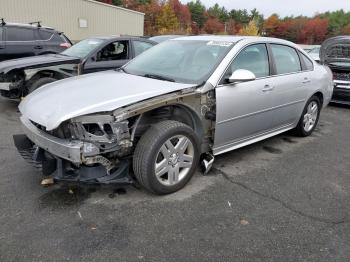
250	29
197	10
167	21
271	24
183	15
213	26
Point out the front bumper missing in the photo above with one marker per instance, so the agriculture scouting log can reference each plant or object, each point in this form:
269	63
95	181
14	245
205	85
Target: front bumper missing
53	156
341	92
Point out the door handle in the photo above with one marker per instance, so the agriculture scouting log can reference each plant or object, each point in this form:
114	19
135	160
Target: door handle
268	88
38	47
306	80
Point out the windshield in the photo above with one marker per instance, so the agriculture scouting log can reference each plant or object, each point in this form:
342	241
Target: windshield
83	48
183	61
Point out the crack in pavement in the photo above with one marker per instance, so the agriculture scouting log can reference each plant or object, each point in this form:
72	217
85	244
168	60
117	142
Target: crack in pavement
281	202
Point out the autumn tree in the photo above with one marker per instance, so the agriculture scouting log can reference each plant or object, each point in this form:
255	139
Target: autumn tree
213	26
250	29
167	21
183	15
271	24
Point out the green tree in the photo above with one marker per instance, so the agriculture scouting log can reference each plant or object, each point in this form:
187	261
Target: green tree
197	10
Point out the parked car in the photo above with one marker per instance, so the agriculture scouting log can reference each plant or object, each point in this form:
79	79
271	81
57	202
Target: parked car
20	77
314	53
22	40
183	99
335	53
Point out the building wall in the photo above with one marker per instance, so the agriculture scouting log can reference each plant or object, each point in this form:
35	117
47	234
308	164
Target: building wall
64	15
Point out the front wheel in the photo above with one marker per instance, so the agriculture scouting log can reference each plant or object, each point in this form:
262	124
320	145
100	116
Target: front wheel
166	157
40	82
309	118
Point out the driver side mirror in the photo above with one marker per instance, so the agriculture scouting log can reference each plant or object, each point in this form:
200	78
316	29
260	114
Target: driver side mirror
241	75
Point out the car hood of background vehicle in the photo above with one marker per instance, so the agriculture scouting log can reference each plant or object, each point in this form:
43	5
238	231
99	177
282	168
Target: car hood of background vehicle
335	49
54	103
36	61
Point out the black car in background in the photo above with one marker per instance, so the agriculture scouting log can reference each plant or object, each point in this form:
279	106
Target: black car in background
20	77
22	40
335	53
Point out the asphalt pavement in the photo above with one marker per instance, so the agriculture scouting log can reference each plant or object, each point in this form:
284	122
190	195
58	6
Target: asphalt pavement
283	199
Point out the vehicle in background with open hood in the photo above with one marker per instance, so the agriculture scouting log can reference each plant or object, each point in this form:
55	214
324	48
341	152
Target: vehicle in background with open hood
335	53
19	77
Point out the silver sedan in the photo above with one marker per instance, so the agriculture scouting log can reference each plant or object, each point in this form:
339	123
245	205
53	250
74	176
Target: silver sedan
186	99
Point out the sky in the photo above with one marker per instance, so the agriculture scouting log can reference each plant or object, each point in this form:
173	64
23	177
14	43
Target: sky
282	7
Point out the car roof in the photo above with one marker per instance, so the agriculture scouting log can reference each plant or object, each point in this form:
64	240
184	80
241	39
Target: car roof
234	39
116	37
32	26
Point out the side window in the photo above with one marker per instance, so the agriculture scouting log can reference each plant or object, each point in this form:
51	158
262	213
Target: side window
19	34
253	58
140	47
114	51
286	59
307	62
44	35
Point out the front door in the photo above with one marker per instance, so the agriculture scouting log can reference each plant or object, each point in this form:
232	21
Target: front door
243	110
112	56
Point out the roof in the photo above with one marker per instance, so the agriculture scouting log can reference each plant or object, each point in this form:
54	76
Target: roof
234	38
34	25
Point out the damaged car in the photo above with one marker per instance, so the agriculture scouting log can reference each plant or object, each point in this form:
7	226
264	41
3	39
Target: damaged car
19	77
335	53
183	101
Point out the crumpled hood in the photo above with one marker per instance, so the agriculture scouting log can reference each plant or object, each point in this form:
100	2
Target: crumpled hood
54	103
36	61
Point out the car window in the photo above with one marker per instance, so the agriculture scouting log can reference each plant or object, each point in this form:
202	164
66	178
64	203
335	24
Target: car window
44	35
286	59
253	58
307	62
19	34
140	47
114	51
83	48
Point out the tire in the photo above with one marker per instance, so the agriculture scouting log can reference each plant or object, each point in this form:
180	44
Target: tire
309	118
40	82
175	166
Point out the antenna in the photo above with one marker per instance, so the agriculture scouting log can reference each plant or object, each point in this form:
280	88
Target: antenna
38	23
2	21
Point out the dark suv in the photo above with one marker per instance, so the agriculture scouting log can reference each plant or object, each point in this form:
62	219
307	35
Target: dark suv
22	40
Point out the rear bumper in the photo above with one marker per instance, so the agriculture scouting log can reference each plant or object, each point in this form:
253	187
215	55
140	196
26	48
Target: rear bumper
341	92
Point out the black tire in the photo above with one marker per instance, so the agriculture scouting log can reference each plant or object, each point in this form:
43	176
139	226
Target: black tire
147	152
300	128
40	82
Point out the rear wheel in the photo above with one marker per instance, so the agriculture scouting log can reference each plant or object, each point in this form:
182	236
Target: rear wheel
40	82
309	118
166	157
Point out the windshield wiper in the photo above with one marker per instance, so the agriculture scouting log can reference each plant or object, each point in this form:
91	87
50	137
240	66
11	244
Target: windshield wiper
159	77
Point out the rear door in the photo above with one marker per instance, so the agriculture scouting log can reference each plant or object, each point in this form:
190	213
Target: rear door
20	42
243	110
290	85
2	43
111	56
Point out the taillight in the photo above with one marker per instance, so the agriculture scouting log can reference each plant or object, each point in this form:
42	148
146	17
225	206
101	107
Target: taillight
66	45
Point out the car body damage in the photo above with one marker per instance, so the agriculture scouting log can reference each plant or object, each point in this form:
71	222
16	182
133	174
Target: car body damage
161	115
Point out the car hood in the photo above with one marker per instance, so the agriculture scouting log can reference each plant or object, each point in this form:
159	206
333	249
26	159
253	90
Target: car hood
36	61
335	49
54	103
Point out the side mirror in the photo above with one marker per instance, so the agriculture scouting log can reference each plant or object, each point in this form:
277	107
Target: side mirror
241	75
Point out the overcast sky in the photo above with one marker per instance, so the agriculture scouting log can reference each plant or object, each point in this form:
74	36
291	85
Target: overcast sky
282	7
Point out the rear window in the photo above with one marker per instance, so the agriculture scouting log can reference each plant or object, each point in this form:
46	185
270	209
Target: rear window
44	35
19	34
58	38
307	62
286	59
